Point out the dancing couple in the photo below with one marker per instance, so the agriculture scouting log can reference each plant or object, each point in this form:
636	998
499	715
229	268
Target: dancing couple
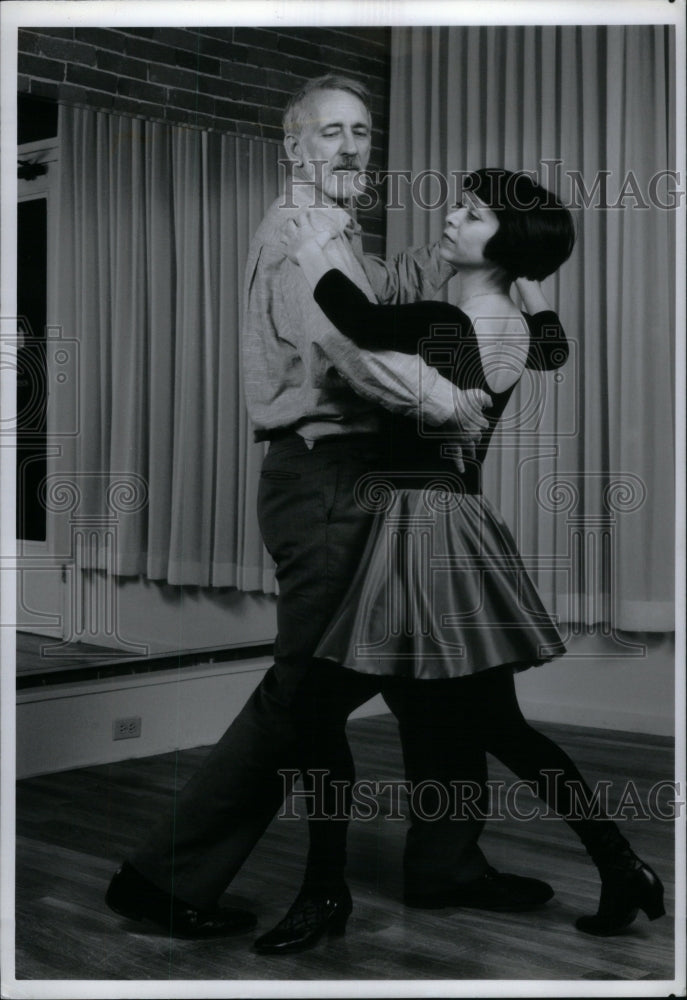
357	378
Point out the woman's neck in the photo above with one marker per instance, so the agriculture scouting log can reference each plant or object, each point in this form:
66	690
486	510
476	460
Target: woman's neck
480	284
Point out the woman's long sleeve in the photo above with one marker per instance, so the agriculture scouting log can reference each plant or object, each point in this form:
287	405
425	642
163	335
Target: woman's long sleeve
403	327
548	342
377	327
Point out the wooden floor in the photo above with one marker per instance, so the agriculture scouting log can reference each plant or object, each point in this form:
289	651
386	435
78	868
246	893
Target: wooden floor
73	828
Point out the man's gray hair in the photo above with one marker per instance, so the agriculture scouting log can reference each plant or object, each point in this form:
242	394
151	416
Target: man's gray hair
294	117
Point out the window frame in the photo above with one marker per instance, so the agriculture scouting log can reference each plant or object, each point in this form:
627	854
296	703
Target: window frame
45	186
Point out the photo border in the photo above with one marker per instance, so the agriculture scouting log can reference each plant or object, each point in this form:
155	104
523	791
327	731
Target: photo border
102	13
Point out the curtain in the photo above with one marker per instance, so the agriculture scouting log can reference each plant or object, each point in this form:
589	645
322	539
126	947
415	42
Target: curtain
583	468
154	229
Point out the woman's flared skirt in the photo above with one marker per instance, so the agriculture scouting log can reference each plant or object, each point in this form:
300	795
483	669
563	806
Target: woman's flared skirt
441	591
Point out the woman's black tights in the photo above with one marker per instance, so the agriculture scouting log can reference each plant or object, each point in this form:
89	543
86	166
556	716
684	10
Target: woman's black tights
482	711
466	716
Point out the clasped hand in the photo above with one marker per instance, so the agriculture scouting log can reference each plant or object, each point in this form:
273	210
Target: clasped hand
306	231
468	422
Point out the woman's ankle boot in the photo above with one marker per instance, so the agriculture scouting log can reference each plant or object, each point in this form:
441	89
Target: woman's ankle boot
627	884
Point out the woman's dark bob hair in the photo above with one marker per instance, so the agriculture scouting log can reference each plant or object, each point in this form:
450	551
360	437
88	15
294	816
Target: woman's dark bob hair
536	233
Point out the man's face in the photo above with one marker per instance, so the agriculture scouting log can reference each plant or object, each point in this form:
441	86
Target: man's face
334	142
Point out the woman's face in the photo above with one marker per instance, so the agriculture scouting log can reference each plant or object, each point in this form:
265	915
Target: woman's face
468	229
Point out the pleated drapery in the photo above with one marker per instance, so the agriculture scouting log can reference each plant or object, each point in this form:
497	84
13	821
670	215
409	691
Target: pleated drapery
583	469
154	229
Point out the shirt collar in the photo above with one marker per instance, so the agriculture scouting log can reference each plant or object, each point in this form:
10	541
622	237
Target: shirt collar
301	195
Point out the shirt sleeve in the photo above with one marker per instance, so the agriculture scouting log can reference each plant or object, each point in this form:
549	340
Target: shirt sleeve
401	383
548	342
415	274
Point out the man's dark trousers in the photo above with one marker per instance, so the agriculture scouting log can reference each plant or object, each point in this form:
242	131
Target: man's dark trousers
316	532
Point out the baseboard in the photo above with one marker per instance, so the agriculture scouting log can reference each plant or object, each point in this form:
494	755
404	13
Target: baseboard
599	685
71	725
597	717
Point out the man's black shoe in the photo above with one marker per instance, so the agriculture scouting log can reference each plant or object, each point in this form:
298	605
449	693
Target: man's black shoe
312	914
133	896
497	891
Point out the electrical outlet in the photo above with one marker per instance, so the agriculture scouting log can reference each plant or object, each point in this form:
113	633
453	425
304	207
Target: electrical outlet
126	729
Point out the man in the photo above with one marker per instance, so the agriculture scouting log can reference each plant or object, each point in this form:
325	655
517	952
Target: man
316	398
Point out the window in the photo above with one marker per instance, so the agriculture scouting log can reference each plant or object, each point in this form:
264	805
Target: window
37	174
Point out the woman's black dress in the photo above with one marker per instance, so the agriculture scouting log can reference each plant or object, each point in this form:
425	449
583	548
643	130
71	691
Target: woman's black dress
441	591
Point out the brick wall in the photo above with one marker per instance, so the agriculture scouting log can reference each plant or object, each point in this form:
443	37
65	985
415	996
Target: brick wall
225	79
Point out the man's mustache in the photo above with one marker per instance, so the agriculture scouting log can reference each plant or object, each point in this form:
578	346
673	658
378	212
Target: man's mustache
347	163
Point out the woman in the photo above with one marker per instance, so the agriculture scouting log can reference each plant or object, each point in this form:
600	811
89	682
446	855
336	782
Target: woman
455	636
